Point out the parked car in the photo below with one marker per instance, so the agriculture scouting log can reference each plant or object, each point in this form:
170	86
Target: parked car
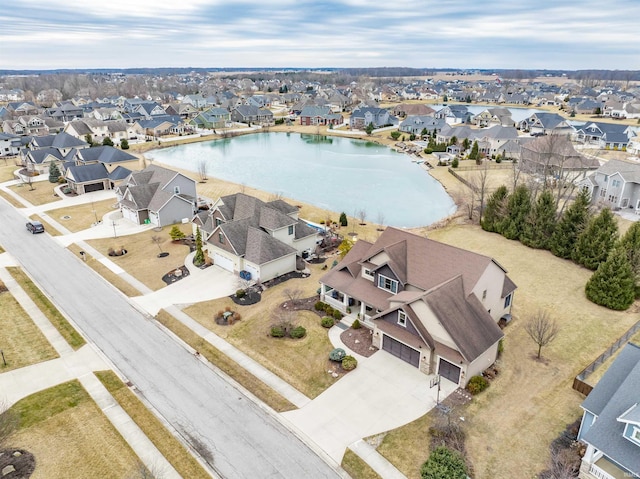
35	227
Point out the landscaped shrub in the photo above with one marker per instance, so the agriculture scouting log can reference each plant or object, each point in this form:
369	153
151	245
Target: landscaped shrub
319	306
337	354
349	363
240	293
327	321
277	332
337	315
477	384
298	332
444	463
356	324
454	163
176	234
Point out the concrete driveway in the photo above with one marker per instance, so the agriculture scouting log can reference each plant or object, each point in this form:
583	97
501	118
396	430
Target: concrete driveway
382	393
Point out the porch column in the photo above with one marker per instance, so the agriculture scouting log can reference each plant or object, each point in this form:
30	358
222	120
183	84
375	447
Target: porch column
362	310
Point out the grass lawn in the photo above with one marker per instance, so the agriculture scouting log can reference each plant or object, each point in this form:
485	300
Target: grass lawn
40	192
172	449
356	467
595	376
22	342
69	436
510	425
141	260
6	170
281	356
47	226
227	365
106	273
81	217
63	326
11	200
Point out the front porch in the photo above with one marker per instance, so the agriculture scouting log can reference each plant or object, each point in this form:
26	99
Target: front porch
603	468
351	307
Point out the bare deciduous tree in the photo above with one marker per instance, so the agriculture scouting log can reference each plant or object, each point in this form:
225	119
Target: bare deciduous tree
142	471
542	329
158	242
362	216
380	220
293	295
203	170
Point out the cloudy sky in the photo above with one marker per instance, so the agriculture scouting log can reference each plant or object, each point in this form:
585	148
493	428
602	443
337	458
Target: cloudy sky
563	34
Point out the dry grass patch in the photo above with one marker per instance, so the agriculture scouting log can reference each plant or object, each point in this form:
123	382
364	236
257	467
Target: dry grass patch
39	193
11	200
63	326
594	377
6	171
69	436
356	467
22	341
48	227
126	288
172	449
227	365
141	260
511	425
283	357
81	217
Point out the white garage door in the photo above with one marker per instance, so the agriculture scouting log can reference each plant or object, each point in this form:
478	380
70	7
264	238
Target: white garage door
253	270
130	215
223	262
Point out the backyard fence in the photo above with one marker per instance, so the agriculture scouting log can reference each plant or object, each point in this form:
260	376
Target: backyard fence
461	179
579	382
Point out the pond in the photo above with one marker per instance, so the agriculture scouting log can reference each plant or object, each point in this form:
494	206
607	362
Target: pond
337	174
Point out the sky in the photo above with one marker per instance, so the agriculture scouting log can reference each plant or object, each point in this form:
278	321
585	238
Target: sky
543	34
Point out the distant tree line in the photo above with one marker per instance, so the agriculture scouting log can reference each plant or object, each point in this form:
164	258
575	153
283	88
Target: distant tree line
578	233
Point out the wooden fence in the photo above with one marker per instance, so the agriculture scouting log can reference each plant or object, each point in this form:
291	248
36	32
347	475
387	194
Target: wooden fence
579	382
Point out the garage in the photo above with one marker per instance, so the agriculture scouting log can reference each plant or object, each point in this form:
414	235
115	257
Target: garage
449	371
255	275
130	215
400	350
94	187
223	262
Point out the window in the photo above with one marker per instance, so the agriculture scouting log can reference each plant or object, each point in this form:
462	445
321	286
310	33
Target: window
635	435
221	237
176	190
402	319
290	229
368	273
507	301
484	295
218	221
387	284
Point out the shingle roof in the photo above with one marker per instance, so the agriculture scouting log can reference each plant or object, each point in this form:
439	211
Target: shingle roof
105	154
630	171
92	172
263	248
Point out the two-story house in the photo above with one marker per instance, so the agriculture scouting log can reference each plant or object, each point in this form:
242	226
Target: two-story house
432	305
616	184
264	239
365	116
611	421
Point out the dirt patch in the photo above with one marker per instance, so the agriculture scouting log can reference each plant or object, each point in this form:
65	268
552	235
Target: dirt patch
18	463
306	304
176	275
359	341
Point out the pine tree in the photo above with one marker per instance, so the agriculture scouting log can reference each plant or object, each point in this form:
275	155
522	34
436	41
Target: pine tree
541	222
516	213
475	152
573	222
630	243
198	258
54	172
596	241
343	219
494	211
612	285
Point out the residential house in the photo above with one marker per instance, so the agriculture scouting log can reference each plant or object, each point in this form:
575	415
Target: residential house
8	146
319	115
455	114
546	123
212	118
94	177
404	110
416	124
610	424
610	136
196	100
158	196
263	239
615	184
27	125
65	112
555	157
252	114
362	117
432	305
493	116
183	110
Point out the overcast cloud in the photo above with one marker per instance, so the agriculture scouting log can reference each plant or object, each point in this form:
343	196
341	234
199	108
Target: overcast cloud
561	34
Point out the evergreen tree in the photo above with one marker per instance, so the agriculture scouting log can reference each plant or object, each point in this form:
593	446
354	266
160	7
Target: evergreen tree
612	285
630	243
596	241
573	222
343	219
107	141
198	259
124	144
54	172
541	222
369	129
475	153
466	143
494	211
89	139
444	463
516	213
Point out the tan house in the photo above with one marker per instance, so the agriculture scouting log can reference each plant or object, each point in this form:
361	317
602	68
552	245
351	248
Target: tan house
432	305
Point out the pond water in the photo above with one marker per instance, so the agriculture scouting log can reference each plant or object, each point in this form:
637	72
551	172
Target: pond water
338	174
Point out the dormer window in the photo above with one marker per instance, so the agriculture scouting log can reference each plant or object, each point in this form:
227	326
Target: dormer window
290	230
176	190
387	284
635	435
402	319
221	237
368	273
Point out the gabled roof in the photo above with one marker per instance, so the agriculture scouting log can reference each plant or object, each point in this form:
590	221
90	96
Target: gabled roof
105	154
630	171
85	173
615	393
60	140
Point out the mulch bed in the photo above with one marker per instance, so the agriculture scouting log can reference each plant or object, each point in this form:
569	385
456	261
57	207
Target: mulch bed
251	297
363	337
283	278
19	463
171	277
306	304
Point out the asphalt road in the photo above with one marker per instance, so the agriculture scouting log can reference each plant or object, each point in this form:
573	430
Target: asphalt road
236	437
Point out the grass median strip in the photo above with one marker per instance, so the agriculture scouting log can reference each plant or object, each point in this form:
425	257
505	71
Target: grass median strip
356	467
11	200
226	364
48	227
63	326
172	449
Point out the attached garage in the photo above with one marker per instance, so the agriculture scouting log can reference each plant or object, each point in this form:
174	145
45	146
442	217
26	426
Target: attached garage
130	215
400	350
88	188
255	272
223	262
449	371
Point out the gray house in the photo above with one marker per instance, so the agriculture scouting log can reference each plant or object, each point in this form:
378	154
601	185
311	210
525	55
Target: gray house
616	184
379	117
611	421
158	196
418	123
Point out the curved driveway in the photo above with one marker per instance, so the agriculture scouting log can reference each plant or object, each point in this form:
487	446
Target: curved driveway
235	436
